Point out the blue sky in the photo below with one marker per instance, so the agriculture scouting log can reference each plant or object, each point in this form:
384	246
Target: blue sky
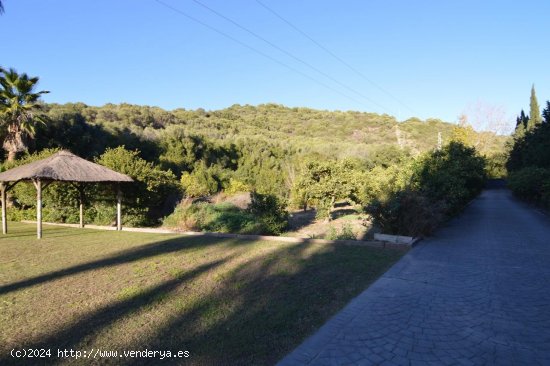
431	58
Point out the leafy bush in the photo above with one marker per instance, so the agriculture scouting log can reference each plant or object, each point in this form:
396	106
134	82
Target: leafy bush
270	211
441	184
180	218
496	166
380	183
325	182
408	213
323	208
236	186
455	175
345	233
529	162
533	149
150	188
222	217
530	183
226	218
199	183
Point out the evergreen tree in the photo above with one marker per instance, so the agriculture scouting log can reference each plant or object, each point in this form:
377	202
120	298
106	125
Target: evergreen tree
522	121
535	117
546	112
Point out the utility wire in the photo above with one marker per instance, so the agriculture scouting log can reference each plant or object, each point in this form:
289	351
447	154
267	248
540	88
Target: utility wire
336	57
176	10
289	54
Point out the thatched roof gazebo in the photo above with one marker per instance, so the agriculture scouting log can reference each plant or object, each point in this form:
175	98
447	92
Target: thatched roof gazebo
60	167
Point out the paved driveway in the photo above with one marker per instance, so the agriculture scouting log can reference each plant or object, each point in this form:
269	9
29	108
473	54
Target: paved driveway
477	293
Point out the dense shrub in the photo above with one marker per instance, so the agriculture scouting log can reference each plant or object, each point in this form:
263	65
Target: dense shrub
323	183
345	233
441	184
533	149
199	183
381	183
529	162
496	166
323	208
221	217
454	175
408	213
531	183
151	186
270	211
236	186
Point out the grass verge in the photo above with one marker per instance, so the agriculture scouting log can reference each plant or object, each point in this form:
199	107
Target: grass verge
225	301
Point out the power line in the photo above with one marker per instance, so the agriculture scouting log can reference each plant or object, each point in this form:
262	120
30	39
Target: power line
256	50
336	57
289	54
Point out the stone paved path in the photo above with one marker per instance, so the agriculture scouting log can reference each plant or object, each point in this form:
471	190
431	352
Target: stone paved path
477	293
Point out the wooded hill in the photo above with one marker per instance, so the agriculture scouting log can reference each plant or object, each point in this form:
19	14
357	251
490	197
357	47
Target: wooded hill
269	149
333	134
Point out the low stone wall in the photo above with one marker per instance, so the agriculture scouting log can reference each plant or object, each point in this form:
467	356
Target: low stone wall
287	239
396	239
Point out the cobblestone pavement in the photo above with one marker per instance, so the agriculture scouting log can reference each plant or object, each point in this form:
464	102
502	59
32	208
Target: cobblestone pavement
476	293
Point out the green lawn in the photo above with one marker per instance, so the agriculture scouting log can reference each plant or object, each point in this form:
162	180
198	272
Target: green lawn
226	301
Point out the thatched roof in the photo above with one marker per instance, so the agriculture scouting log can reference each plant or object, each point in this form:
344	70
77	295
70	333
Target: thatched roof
63	166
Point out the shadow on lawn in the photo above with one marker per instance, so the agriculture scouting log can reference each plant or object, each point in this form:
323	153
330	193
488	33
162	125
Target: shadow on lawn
274	305
270	312
300	219
70	335
135	254
49	232
264	306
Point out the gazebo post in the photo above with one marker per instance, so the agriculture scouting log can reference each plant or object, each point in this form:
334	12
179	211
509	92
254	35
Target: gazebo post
38	185
118	208
81	212
4	219
81	191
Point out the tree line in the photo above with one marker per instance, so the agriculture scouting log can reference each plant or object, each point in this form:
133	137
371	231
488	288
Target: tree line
288	157
529	159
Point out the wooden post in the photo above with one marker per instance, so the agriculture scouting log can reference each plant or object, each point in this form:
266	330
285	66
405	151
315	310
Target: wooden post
119	208
81	215
81	191
4	219
38	185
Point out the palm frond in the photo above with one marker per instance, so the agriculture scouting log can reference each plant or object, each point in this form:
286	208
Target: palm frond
19	108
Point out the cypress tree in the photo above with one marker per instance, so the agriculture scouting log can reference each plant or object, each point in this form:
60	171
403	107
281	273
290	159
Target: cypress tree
535	117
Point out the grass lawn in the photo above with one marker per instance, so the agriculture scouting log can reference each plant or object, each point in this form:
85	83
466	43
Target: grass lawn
226	301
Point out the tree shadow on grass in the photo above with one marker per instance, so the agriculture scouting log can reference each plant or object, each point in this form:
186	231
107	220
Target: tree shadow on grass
16	233
263	307
126	256
48	232
93	323
301	219
274	305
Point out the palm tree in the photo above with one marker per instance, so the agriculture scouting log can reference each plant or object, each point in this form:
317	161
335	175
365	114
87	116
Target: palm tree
18	107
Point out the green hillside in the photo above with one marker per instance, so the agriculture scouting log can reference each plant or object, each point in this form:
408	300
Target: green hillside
268	149
296	130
